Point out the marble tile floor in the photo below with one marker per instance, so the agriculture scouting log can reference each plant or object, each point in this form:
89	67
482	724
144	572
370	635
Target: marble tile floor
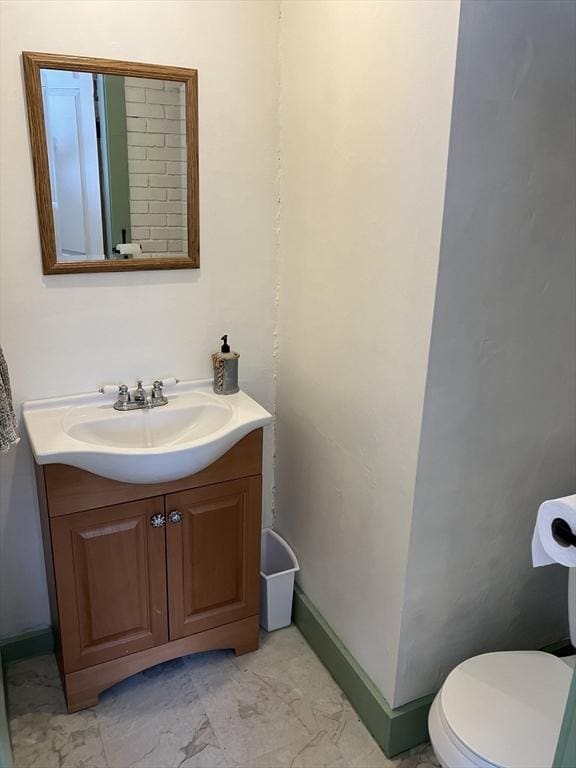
276	708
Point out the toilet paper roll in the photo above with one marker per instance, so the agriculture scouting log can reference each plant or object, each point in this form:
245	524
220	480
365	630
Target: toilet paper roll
129	249
545	548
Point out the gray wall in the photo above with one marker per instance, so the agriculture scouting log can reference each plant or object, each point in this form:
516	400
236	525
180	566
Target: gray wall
498	427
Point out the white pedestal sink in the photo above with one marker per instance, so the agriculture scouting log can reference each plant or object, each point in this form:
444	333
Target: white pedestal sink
154	445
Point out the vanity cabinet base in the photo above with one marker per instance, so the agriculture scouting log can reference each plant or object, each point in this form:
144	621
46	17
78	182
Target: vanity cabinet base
141	574
82	688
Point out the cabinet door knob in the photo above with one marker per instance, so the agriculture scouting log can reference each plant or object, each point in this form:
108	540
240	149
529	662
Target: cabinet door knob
175	516
158	520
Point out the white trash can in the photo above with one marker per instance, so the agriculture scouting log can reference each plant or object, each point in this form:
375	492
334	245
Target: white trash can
278	564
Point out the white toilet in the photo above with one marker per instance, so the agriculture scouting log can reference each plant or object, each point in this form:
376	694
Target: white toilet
503	709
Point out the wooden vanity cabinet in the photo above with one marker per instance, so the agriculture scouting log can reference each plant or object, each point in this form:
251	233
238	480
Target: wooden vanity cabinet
139	574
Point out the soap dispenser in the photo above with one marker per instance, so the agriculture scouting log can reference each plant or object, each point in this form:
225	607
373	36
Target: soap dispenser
225	365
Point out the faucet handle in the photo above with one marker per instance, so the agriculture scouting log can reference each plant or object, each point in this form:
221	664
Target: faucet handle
123	395
157	394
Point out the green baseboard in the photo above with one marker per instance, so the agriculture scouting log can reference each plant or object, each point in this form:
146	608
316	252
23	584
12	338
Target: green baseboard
395	730
560	648
34	643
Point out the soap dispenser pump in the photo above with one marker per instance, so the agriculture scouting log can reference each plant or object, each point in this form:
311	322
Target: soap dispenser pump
225	365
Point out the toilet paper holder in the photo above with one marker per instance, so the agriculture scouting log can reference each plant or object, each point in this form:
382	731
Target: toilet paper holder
562	533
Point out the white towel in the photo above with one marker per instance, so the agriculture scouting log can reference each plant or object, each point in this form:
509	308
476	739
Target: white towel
8	434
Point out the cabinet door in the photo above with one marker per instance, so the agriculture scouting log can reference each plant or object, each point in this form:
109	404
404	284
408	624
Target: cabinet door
213	555
110	567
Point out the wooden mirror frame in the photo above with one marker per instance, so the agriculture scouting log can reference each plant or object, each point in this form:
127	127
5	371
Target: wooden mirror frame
33	63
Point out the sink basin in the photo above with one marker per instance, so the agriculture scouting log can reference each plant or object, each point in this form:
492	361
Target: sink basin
194	429
194	418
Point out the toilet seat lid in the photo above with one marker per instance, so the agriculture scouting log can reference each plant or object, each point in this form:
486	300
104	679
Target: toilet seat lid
507	707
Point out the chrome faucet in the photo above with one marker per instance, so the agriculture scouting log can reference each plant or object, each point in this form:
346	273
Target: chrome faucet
140	393
140	398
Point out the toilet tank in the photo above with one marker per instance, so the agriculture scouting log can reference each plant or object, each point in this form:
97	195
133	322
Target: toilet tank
572	604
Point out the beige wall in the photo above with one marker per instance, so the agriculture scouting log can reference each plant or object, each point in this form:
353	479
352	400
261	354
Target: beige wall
366	92
70	333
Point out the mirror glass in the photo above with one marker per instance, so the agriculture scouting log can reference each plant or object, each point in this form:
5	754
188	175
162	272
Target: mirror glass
117	159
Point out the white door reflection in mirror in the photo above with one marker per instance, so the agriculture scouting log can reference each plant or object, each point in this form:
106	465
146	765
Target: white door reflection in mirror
73	159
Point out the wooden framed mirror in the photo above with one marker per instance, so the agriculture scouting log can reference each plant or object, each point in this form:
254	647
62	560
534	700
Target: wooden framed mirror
115	154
